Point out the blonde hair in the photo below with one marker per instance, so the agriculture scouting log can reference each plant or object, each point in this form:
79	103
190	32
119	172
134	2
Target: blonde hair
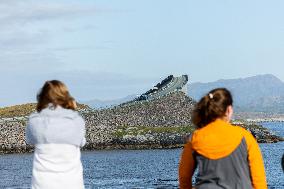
56	93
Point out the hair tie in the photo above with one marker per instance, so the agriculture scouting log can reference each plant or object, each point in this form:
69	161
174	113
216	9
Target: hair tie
210	95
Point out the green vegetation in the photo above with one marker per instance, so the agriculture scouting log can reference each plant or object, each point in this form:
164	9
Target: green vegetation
142	130
17	110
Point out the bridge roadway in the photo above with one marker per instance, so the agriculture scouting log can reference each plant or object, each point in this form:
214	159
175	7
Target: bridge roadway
177	82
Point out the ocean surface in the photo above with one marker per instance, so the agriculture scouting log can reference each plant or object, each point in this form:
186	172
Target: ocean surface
134	168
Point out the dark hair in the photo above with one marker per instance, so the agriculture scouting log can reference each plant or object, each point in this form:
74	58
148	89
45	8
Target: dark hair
56	93
211	106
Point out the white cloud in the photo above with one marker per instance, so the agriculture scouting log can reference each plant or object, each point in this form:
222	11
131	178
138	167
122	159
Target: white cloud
30	21
27	29
23	12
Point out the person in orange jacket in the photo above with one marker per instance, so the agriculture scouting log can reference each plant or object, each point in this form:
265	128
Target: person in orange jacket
227	156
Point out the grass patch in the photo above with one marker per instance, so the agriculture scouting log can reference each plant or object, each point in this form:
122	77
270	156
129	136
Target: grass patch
142	130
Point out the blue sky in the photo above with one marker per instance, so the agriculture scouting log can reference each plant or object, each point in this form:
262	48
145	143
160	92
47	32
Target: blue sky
108	49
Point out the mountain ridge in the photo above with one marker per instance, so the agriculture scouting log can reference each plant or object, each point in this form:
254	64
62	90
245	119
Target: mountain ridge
259	93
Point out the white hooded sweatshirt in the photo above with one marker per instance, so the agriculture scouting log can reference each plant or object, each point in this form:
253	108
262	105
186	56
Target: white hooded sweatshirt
57	134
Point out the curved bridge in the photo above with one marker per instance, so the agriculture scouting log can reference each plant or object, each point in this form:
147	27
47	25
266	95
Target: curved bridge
166	86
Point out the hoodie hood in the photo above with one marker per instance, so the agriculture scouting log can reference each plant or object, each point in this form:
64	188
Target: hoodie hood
58	111
216	140
56	125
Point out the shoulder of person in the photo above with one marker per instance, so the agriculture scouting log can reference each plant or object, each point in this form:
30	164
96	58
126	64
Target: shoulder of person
33	117
241	129
57	112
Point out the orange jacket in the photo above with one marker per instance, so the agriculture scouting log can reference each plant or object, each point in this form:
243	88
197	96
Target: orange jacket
218	140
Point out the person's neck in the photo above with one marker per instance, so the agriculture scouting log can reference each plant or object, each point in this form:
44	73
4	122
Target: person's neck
226	119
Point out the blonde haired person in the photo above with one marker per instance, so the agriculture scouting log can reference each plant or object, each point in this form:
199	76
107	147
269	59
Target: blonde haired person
58	132
227	156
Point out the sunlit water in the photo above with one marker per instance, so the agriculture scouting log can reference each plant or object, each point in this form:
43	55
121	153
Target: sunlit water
134	168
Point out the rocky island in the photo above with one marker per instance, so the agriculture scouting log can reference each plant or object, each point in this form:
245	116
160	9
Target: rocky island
159	118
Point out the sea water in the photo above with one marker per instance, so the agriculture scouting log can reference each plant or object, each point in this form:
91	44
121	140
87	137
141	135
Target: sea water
134	168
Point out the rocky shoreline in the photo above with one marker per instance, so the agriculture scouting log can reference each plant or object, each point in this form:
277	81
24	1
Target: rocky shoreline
262	120
259	117
157	124
133	138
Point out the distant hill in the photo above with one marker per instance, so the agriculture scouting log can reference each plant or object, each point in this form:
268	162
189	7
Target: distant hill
25	110
261	93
